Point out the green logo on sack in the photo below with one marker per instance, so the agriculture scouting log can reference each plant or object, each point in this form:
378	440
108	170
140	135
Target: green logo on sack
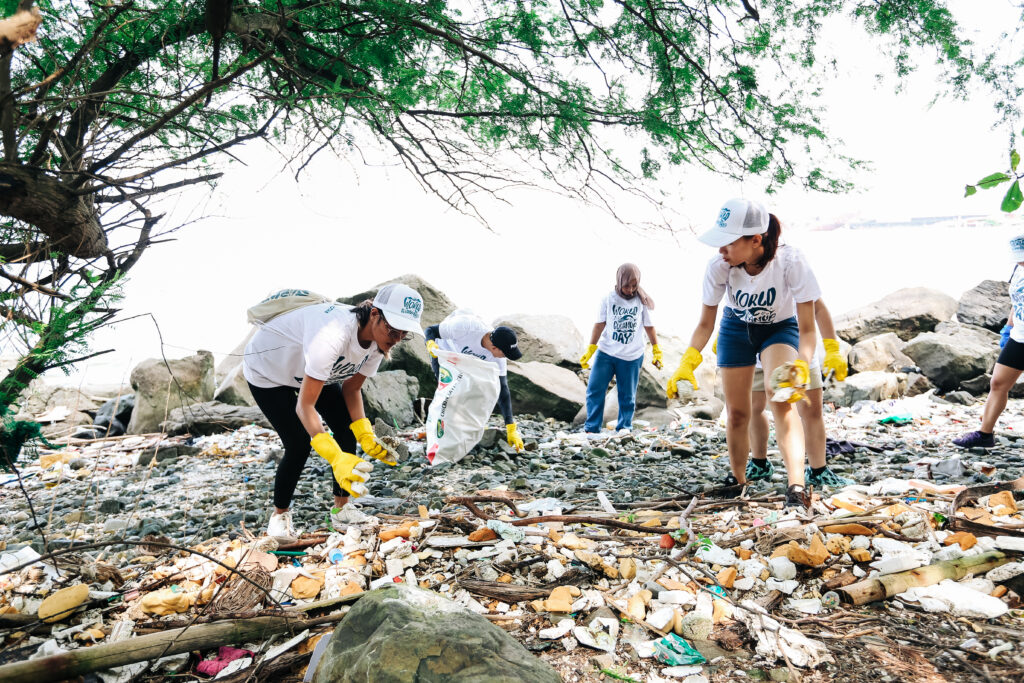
444	376
440	428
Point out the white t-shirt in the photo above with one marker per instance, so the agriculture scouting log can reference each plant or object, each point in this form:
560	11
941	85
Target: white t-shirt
768	297
1017	299
462	331
319	341
623	318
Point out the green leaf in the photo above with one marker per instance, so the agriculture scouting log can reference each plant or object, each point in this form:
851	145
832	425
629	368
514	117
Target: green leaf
1013	199
991	181
969	190
1014	159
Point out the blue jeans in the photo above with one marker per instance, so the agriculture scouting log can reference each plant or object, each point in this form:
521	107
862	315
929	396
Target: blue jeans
627	377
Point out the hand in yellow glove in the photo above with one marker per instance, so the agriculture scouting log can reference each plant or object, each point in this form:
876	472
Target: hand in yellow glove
834	362
432	348
350	471
585	358
788	382
803	372
514	439
691	359
368	440
656	356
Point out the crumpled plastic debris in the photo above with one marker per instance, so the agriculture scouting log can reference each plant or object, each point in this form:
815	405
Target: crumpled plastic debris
225	655
601	634
957	599
675	651
506	530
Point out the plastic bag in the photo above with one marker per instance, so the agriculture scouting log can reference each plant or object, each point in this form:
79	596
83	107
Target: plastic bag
467	389
675	651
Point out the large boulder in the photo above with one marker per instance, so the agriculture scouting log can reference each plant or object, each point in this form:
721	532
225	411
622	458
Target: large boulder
404	634
389	396
162	386
545	389
948	359
212	417
906	312
881	352
231	385
867	386
436	304
986	305
546	338
59	409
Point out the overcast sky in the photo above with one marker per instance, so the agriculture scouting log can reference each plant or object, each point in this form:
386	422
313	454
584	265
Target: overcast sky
345	227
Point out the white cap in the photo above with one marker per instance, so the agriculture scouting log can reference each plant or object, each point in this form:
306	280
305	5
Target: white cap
402	306
738	218
1017	248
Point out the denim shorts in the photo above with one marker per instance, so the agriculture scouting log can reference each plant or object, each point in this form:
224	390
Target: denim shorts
740	342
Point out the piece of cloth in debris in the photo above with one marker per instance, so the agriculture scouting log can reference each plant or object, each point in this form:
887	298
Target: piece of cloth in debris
225	655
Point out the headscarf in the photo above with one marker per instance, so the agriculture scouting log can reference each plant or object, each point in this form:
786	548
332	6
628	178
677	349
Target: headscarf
625	273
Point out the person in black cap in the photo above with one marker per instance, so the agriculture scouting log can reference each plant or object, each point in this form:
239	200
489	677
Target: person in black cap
465	332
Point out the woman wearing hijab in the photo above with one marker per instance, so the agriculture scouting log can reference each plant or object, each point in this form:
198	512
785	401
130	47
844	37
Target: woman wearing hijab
617	348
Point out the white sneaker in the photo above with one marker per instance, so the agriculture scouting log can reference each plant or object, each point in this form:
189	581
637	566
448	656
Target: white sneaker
280	527
340	518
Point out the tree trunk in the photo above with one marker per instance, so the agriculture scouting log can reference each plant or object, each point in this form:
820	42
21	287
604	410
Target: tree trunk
67	219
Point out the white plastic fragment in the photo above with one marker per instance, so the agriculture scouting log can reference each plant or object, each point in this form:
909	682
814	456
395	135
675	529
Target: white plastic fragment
896	563
682	671
601	634
786	587
1010	543
806	605
782	568
950	596
558	631
714	554
776	641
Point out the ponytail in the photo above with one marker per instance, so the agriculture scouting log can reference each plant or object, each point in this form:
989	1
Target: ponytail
770	240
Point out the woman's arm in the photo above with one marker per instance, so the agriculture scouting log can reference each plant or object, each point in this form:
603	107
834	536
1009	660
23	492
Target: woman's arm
808	337
652	335
305	407
705	327
352	392
596	334
823	318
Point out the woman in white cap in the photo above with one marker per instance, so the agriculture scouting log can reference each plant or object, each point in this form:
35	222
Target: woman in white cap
465	332
770	292
311	363
1010	363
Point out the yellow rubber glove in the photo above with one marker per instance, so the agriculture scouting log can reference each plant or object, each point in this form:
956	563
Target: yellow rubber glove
656	356
432	348
350	471
689	362
514	439
368	440
834	361
585	358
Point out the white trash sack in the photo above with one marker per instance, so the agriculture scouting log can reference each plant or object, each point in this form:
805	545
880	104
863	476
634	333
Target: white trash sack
467	389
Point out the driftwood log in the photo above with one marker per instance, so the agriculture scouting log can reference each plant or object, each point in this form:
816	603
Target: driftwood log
883	587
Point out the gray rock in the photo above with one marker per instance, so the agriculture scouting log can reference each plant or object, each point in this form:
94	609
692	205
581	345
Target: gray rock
212	417
866	386
411	357
948	359
403	634
546	389
41	398
977	386
960	397
546	338
708	409
918	384
389	395
881	352
986	305
168	451
906	312
161	387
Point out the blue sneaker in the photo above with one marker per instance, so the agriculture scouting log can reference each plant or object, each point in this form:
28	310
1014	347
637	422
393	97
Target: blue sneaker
826	478
759	469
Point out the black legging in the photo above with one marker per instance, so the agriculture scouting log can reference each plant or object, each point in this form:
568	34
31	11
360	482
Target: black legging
278	404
